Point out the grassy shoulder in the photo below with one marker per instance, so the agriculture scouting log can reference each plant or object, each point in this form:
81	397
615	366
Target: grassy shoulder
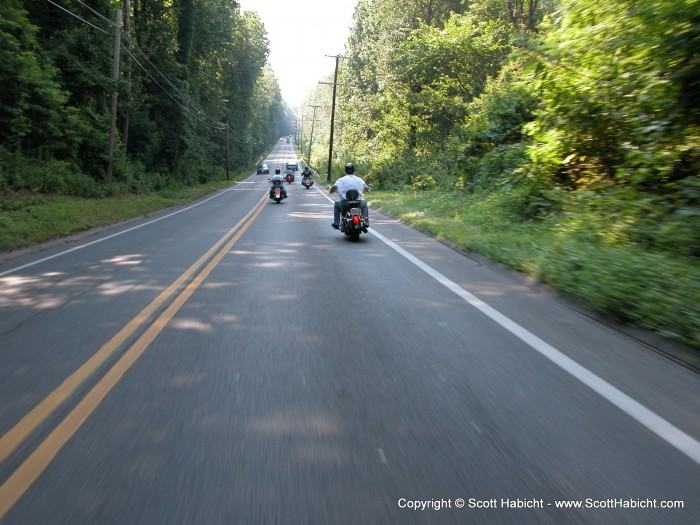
31	218
580	251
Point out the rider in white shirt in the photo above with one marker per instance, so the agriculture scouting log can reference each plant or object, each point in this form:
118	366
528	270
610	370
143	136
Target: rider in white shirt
349	182
277	182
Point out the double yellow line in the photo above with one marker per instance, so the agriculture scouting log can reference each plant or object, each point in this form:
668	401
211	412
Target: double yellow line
22	478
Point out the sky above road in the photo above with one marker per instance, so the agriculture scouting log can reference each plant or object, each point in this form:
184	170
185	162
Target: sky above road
301	33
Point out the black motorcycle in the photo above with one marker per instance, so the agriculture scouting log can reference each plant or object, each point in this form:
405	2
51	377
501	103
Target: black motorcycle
352	221
307	182
277	192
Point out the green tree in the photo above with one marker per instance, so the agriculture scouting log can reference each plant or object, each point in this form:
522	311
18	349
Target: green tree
444	69
31	98
618	93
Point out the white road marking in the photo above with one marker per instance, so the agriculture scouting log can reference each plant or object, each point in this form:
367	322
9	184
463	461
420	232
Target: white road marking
652	421
382	457
101	239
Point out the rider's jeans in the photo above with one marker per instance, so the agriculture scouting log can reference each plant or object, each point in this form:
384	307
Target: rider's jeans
338	206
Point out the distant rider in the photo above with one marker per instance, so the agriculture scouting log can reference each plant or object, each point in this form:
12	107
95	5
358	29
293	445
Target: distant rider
306	176
277	181
348	182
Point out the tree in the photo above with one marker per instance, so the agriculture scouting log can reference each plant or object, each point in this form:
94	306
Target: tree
444	69
617	91
31	98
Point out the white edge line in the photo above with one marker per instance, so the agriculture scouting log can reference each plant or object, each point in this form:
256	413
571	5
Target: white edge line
76	248
652	421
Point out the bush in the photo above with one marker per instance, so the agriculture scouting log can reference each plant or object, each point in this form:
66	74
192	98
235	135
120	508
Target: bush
18	173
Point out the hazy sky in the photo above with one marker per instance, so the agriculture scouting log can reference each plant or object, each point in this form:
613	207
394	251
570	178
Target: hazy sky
301	33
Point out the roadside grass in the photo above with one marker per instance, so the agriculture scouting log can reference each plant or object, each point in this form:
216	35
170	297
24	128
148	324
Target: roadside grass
576	251
30	218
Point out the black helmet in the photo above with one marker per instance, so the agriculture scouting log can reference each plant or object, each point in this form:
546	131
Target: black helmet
349	168
277	170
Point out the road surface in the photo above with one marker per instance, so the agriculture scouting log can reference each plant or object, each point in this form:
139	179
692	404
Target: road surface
238	361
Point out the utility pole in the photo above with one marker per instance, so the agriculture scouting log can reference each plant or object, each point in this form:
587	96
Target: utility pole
300	134
127	31
227	154
311	140
115	79
335	85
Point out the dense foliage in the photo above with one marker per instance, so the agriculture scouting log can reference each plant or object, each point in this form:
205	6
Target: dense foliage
187	69
581	119
570	101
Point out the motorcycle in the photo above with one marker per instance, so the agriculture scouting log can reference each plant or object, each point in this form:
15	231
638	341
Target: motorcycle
289	178
277	192
352	221
307	182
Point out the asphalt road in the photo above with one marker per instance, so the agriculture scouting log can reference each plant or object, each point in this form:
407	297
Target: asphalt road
238	361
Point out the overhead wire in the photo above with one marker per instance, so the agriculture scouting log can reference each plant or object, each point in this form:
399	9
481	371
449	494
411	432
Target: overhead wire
212	123
76	16
183	95
220	127
98	14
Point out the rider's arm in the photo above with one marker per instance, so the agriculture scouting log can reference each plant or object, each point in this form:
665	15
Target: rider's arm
333	190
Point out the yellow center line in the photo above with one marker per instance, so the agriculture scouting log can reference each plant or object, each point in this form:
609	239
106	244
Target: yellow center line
25	475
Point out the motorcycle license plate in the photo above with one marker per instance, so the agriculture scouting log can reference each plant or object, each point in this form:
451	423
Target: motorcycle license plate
277	193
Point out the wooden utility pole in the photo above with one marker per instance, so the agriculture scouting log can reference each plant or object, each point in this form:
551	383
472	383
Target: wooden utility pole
115	79
311	140
127	31
335	85
300	134
227	153
330	145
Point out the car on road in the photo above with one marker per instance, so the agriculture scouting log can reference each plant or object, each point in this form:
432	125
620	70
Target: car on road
291	167
263	168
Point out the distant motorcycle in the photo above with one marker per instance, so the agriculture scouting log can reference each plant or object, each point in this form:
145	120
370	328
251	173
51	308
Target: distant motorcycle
277	191
352	221
289	177
307	182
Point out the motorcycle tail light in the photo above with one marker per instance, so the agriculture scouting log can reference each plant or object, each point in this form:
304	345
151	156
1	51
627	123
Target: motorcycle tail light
356	219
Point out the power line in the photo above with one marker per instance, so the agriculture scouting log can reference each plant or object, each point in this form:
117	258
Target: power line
111	22
76	16
183	95
213	123
221	127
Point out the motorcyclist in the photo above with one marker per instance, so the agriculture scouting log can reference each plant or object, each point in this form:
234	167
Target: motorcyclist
277	181
349	181
306	174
